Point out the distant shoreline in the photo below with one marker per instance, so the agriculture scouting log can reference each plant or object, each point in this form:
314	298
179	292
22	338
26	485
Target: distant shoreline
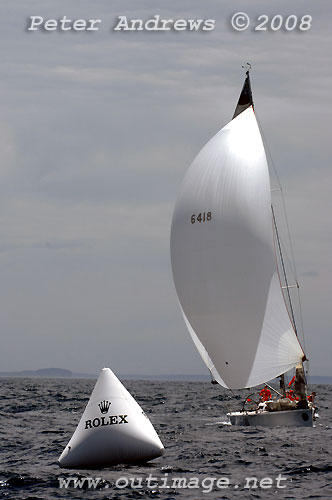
67	374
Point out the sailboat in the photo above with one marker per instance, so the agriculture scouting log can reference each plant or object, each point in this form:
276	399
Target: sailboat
226	275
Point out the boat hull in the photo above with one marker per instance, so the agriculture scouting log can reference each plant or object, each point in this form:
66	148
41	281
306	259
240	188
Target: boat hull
292	418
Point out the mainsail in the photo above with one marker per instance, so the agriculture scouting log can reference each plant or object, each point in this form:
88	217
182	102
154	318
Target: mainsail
223	258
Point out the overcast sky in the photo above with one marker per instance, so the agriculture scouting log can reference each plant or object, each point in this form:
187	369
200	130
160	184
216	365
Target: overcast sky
96	133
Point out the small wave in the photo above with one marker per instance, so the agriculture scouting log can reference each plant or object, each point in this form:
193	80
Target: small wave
308	469
224	421
22	409
19	481
30	388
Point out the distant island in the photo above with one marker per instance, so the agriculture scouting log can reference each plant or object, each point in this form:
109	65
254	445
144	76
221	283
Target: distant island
46	373
63	373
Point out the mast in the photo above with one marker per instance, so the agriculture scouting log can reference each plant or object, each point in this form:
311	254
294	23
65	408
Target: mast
300	385
284	270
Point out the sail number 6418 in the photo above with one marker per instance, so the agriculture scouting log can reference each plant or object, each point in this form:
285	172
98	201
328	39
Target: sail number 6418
201	217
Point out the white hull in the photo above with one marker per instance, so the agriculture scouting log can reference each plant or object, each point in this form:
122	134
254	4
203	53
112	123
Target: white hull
293	418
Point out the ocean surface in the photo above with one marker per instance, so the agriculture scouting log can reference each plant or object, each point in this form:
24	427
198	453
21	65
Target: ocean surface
38	417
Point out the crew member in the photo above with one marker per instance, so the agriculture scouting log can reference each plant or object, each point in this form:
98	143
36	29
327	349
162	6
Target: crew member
290	395
311	397
265	394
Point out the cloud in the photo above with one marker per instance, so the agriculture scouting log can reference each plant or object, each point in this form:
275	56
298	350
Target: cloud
96	133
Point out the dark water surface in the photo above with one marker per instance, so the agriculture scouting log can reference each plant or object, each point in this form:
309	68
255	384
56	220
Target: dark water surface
37	418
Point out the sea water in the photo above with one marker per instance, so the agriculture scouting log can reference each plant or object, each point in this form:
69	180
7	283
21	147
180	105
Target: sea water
204	456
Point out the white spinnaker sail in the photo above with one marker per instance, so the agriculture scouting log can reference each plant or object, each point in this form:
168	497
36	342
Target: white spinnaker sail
223	260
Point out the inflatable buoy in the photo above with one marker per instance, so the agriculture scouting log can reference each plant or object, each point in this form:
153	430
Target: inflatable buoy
113	429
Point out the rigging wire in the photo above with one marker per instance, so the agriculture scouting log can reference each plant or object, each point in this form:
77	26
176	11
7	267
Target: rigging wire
291	262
